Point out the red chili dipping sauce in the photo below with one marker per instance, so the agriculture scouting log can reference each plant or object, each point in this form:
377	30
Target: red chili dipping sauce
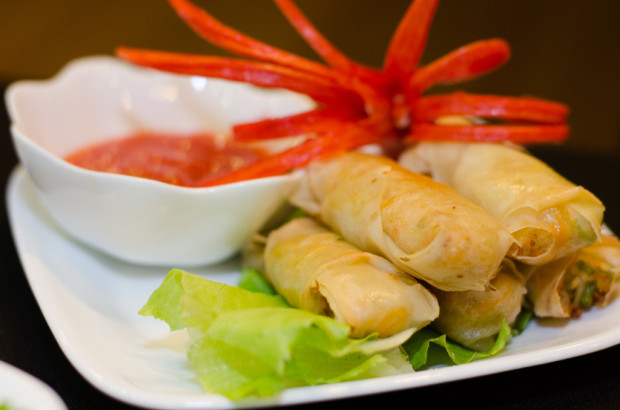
179	160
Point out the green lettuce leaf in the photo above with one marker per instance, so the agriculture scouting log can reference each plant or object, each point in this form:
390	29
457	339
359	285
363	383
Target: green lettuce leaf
247	343
186	300
429	348
259	352
252	280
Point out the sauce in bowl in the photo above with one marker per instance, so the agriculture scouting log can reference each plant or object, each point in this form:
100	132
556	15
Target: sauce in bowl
188	161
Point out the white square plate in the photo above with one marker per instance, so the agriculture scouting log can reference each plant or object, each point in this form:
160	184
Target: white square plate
91	300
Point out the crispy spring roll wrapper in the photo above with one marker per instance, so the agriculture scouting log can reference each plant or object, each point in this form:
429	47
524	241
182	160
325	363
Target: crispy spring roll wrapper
566	287
474	318
316	270
549	216
423	227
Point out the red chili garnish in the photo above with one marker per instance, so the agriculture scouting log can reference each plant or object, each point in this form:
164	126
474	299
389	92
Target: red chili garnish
317	121
358	105
461	64
340	138
532	110
520	134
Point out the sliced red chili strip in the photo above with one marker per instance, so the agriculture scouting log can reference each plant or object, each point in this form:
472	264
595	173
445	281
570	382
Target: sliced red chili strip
535	110
364	80
286	161
341	138
462	64
322	46
522	134
226	37
315	121
257	73
315	39
409	40
215	32
279	164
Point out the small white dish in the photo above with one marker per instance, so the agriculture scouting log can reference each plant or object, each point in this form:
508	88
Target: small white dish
139	220
90	302
20	390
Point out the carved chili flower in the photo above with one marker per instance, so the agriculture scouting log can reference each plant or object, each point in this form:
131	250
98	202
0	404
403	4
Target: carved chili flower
356	104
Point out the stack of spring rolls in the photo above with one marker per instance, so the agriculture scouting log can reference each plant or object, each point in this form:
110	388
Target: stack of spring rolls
456	236
568	260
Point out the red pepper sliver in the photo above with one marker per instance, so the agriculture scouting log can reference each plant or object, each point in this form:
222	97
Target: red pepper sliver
462	64
315	39
534	110
315	121
257	73
341	138
279	164
230	39
490	133
322	46
409	40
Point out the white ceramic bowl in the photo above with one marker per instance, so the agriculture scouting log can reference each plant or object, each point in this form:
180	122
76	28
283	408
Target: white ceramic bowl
21	390
134	219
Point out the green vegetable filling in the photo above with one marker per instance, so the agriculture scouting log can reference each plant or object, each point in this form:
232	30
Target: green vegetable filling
584	284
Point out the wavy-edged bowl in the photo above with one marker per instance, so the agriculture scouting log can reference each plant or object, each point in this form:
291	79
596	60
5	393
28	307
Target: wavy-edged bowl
134	219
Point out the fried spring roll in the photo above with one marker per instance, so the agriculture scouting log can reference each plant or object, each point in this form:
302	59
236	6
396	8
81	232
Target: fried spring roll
474	318
548	216
568	286
316	270
423	227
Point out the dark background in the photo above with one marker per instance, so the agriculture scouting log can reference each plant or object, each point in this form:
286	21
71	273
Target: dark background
562	50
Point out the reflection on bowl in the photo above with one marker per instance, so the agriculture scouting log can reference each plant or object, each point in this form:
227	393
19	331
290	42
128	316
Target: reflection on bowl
134	219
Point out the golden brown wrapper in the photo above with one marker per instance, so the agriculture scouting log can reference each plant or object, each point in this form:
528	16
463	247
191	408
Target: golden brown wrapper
546	284
423	227
549	216
316	270
474	318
